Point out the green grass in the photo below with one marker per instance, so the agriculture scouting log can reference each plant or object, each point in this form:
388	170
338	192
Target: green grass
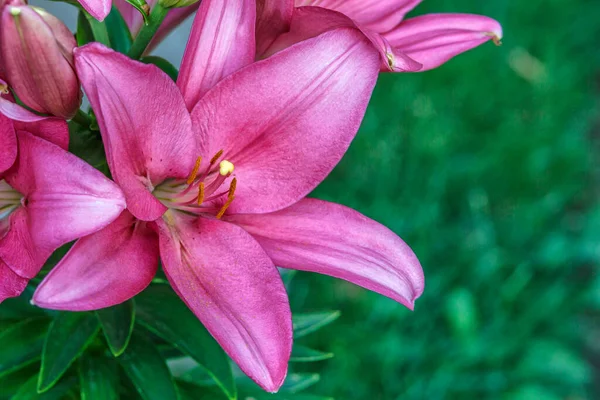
487	167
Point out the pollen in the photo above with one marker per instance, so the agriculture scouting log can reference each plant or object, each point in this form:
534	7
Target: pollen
201	193
216	157
226	167
230	198
194	173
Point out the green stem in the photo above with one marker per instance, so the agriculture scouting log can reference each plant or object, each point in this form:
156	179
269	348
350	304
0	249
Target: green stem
143	38
82	119
99	30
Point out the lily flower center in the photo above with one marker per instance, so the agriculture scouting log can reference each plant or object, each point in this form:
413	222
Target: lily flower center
204	192
10	200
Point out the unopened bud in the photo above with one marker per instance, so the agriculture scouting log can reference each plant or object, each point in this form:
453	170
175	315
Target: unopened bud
37	59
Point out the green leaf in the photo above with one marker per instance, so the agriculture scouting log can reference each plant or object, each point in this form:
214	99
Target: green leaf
117	323
28	390
295	383
118	32
98	378
19	308
147	370
84	32
304	354
161	311
99	30
69	335
312	322
189	391
22	344
163	64
11	383
287	275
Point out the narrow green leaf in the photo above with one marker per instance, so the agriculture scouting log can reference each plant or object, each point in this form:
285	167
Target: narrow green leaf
28	390
295	383
163	64
189	391
304	354
22	344
118	32
147	370
312	322
84	33
287	275
98	30
68	337
117	323
98	378
161	311
19	308
11	383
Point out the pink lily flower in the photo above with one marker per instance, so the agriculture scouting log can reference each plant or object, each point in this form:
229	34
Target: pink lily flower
416	44
41	211
14	118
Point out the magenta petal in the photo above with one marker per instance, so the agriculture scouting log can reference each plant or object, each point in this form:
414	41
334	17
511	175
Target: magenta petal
8	143
11	284
231	285
16	112
102	269
145	126
62	204
98	9
433	39
273	18
314	235
51	129
308	22
284	137
220	43
377	15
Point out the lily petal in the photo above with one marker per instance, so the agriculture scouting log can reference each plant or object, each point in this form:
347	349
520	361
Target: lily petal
286	136
433	39
16	112
145	126
231	285
98	9
103	269
308	22
8	143
273	18
377	15
318	236
72	201
220	43
53	130
11	284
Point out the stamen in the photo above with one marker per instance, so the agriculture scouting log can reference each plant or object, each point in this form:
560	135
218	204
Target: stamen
226	168
194	173
216	157
201	193
230	198
225	207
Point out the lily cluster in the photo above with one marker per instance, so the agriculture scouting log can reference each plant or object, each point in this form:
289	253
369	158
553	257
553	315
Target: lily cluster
211	172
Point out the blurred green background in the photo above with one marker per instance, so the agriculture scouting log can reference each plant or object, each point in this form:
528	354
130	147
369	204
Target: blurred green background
488	168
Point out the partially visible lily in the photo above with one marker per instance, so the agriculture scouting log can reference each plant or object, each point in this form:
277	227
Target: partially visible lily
14	118
416	44
37	58
220	194
41	211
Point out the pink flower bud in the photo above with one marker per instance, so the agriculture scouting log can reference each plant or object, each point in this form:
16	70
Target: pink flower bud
37	59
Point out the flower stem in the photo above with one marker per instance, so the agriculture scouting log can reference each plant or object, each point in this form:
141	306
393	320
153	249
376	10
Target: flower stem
99	30
143	38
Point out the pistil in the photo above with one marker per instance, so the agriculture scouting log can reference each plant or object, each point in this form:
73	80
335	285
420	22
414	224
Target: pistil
10	200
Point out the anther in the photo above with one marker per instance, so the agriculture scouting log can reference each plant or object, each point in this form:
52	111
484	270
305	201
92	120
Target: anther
216	157
225	207
225	167
201	193
194	173
232	187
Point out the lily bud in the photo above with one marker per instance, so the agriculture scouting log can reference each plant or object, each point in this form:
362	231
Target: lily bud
37	58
